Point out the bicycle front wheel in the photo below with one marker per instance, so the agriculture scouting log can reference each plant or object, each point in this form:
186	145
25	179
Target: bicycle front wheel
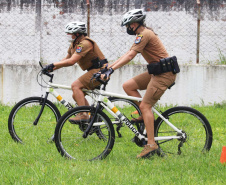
22	116
69	138
195	127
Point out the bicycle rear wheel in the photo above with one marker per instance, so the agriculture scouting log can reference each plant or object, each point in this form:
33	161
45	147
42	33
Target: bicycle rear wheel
69	136
193	124
23	115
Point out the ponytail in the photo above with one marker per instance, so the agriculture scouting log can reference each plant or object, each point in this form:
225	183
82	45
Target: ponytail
144	24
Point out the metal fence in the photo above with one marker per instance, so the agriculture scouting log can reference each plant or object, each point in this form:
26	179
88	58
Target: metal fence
34	30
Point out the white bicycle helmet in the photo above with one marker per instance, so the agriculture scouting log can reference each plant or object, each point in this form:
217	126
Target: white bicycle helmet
75	27
136	15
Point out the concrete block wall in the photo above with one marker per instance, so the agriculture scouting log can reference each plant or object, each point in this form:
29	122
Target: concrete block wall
195	84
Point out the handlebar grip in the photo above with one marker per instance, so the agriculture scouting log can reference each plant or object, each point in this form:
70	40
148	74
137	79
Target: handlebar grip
44	71
97	77
105	76
101	81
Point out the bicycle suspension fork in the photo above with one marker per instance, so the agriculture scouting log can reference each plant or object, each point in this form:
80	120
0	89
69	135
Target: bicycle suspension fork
43	103
43	100
85	134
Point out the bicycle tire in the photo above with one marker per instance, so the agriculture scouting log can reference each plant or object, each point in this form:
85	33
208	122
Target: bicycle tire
69	137
24	113
194	124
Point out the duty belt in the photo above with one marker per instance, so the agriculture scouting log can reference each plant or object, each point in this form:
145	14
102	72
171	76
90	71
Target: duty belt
97	63
163	66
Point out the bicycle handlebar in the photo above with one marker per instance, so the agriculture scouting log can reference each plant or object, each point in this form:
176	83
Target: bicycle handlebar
45	72
97	76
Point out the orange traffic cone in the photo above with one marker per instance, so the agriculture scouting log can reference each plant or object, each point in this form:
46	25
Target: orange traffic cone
223	155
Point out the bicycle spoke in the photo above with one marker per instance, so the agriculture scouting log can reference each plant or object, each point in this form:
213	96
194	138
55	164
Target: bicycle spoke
71	143
196	131
21	120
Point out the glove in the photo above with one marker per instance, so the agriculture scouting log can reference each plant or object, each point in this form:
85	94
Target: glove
48	68
108	73
102	71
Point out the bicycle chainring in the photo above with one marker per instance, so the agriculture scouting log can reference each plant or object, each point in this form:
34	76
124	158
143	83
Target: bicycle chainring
140	128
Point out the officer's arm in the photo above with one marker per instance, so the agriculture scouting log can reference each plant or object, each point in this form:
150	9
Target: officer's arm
67	57
67	61
118	60
124	59
119	63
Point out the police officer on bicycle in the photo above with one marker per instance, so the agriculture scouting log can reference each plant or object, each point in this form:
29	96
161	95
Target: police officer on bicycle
86	53
156	80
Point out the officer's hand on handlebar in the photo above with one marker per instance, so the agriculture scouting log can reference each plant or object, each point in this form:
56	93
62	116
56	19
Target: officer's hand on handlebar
104	70
48	68
96	76
105	73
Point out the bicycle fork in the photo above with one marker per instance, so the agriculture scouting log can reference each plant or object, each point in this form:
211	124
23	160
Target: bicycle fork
43	102
86	132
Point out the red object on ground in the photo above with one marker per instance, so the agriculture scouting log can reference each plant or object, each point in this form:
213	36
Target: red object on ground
223	155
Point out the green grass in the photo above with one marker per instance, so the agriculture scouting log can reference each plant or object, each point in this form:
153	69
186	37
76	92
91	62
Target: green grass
221	60
38	162
222	57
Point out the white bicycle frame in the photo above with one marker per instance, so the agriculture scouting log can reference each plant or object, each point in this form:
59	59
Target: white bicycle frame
109	106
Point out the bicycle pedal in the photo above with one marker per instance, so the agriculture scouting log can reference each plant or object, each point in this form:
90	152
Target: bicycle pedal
160	153
73	121
136	121
79	121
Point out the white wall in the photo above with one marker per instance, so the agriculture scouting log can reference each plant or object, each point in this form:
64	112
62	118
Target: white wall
195	84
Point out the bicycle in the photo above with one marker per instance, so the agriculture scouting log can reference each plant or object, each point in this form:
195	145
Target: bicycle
29	114
178	129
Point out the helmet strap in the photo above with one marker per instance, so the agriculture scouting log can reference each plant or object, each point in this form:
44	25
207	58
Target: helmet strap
137	28
76	38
